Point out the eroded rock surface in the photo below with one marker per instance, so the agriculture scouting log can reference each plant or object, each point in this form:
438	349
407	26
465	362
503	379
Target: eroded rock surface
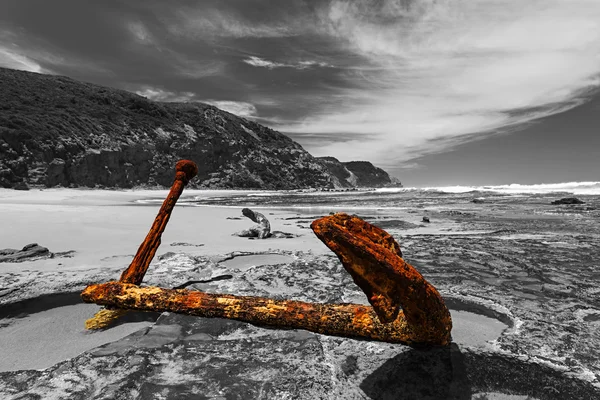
189	357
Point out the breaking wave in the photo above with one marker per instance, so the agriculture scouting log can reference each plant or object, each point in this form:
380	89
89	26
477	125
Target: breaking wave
580	188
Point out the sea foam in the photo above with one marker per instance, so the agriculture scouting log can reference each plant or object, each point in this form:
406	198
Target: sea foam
580	188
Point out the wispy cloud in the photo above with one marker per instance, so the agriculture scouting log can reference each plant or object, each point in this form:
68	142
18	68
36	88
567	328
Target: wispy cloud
20	51
184	64
240	108
261	62
140	33
11	59
442	70
208	22
158	94
189	68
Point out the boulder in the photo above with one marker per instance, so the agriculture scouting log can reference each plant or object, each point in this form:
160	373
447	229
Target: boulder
21	186
568	200
31	251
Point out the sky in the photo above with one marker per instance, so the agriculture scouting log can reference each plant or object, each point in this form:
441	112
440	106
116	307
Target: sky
437	92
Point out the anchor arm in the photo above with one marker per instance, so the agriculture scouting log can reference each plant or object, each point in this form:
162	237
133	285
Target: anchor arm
373	259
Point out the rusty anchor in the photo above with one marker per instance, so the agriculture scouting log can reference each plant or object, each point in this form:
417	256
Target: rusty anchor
185	170
405	308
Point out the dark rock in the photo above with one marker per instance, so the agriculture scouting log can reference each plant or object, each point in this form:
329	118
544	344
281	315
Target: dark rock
30	251
55	173
21	186
186	244
282	235
426	219
568	200
478	200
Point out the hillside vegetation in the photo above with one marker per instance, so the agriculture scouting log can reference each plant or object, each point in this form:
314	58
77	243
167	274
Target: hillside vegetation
55	131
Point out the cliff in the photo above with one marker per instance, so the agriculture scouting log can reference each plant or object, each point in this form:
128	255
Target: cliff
357	174
55	131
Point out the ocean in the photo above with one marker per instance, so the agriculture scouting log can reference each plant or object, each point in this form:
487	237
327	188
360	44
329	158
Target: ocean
382	199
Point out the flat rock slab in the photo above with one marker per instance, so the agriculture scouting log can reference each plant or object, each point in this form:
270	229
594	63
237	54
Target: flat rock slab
184	357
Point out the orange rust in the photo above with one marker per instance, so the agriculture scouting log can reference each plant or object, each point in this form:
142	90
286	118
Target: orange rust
328	319
372	257
185	171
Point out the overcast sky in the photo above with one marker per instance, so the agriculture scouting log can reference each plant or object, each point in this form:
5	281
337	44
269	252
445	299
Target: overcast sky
434	91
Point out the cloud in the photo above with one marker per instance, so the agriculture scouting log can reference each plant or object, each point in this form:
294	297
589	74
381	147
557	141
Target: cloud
205	21
195	69
261	62
157	94
11	59
19	51
432	73
239	108
140	32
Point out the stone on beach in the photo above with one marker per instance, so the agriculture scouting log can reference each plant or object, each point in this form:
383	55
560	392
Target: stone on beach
568	200
29	252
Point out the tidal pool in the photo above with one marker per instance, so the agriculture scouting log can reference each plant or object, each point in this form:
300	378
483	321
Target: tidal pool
246	261
35	338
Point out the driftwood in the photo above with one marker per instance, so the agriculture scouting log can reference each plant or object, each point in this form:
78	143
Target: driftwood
405	308
185	171
262	229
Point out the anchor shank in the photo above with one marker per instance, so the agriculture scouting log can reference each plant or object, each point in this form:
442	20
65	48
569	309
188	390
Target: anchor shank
186	170
347	320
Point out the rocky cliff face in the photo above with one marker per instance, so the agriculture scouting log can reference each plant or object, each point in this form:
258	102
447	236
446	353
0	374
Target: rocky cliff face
58	131
357	174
